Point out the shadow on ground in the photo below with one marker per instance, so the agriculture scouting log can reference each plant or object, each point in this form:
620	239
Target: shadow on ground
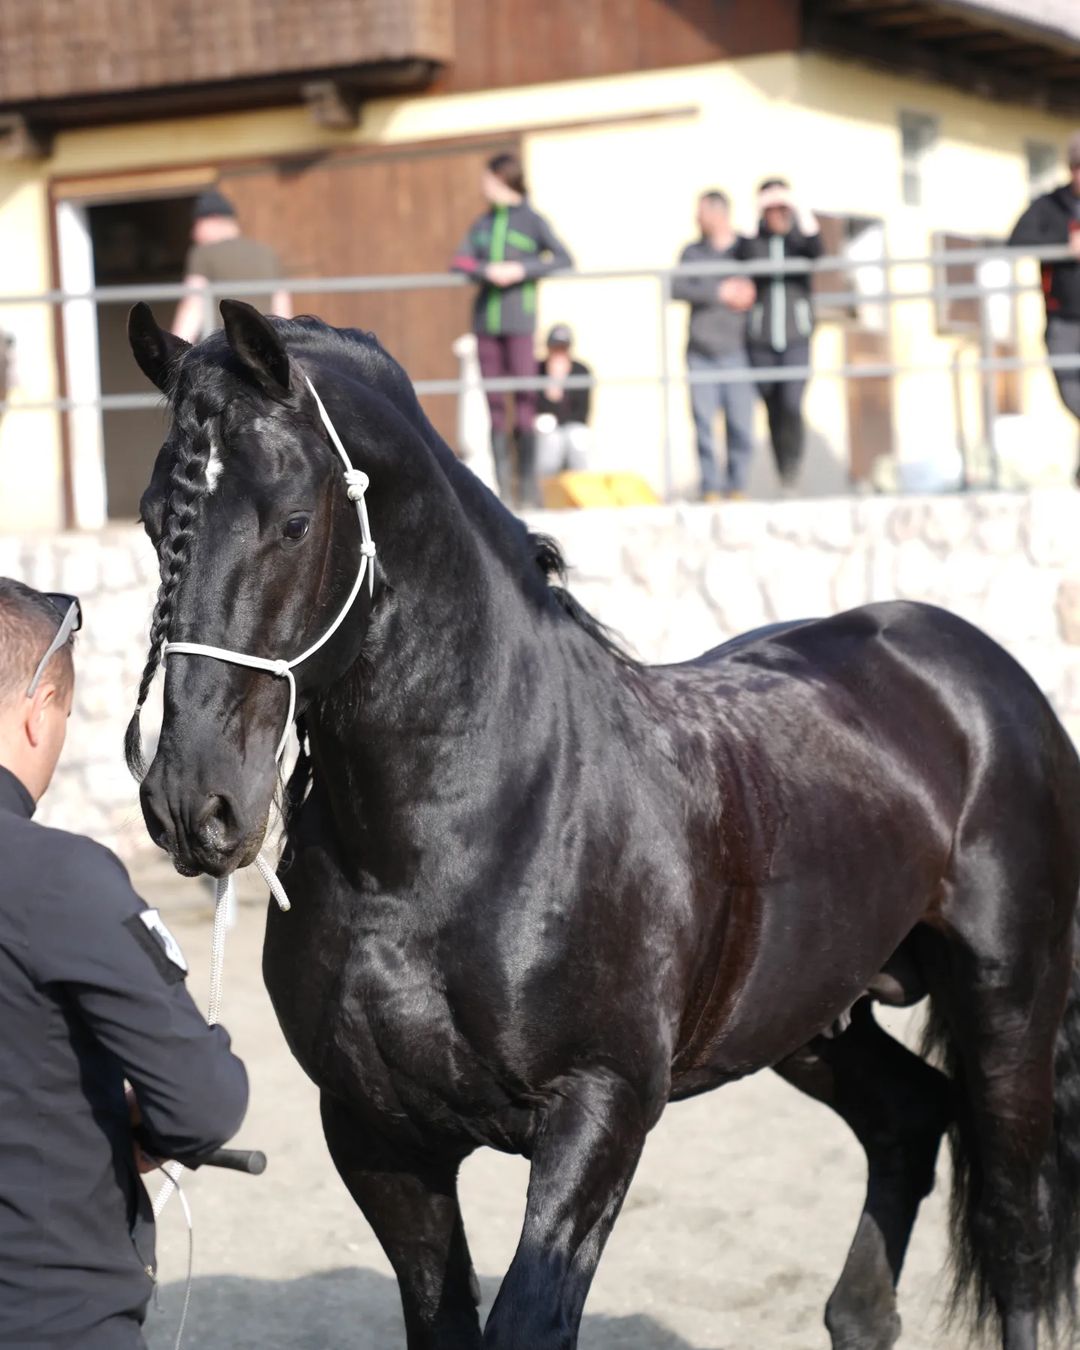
346	1309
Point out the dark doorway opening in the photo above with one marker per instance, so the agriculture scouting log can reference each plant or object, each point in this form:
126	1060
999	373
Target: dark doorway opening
141	242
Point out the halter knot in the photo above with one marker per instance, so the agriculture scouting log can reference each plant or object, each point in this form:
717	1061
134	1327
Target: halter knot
368	550
357	482
280	669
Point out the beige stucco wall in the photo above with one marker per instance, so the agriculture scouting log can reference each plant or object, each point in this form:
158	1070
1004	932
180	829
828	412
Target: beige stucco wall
622	194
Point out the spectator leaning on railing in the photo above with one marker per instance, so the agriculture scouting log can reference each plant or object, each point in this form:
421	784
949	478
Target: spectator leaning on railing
506	251
782	317
1055	219
717	342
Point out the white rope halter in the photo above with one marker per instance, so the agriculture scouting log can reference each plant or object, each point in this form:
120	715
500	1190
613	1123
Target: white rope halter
356	482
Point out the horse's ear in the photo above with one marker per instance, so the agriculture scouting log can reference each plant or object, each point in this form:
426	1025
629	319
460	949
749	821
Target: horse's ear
253	339
153	347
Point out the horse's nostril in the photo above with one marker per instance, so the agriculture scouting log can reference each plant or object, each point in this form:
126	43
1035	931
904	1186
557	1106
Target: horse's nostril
216	824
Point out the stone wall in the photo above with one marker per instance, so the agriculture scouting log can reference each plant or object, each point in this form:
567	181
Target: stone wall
673	580
114	572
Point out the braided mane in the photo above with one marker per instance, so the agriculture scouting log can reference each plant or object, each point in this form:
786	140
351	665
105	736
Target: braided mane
187	487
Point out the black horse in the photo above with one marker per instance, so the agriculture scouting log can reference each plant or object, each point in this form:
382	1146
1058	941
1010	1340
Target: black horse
540	890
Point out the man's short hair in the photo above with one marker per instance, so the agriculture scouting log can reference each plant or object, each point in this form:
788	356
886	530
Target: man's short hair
714	197
28	623
767	183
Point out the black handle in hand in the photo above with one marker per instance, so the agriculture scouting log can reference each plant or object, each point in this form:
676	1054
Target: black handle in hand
250	1160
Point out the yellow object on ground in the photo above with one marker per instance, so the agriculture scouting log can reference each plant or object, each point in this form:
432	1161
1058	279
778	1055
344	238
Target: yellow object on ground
577	488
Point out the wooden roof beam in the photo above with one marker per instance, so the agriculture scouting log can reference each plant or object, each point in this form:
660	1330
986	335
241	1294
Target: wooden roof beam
897	18
945	63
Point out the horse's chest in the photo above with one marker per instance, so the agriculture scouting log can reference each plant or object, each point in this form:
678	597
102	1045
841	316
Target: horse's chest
365	1015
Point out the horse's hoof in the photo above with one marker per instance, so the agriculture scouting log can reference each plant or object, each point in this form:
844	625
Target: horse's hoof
867	1338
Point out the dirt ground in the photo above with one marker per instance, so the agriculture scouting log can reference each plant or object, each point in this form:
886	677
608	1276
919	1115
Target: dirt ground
733	1233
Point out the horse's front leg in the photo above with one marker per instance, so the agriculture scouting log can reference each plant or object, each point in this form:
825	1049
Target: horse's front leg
412	1206
587	1148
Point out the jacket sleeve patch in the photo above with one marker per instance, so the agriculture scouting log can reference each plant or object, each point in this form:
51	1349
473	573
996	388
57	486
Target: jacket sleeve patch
149	930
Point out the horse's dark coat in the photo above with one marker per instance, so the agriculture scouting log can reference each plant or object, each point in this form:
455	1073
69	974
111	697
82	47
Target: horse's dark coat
539	890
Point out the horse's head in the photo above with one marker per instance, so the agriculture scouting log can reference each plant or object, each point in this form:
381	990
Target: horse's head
259	547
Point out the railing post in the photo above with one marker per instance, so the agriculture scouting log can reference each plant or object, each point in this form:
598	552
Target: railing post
986	389
665	387
207	312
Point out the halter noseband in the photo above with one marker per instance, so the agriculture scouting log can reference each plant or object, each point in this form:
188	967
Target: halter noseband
356	482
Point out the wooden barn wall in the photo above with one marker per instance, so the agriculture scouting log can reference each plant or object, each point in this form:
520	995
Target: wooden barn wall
500	43
57	48
400	210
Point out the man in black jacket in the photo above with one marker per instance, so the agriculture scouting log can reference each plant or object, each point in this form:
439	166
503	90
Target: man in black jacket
782	317
1055	219
91	993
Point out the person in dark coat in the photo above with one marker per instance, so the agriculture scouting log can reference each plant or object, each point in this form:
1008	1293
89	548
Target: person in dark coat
1055	219
782	318
506	251
92	994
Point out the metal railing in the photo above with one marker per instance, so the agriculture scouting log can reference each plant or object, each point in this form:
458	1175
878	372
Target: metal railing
939	291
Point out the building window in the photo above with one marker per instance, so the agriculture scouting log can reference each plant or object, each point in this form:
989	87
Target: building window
862	240
961	316
1043	167
918	136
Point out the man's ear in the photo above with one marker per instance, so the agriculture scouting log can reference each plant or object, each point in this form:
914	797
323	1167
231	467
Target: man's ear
36	708
153	347
256	344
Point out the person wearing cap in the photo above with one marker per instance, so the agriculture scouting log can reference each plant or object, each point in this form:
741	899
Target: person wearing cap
92	994
219	253
1054	218
717	342
781	318
563	438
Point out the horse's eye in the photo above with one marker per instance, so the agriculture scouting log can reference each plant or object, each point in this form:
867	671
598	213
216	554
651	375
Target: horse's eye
296	527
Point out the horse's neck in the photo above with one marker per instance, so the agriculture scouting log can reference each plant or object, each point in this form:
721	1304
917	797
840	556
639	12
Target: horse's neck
425	698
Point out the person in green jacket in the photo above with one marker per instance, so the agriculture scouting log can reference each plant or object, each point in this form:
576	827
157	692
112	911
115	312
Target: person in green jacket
506	251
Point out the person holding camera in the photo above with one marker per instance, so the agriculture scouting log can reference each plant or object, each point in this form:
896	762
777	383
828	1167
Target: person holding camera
563	438
782	318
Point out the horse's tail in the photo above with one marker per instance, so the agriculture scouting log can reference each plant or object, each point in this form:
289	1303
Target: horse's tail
1061	1171
1059	1185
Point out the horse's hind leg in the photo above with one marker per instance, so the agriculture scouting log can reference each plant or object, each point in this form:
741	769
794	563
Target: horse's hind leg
898	1107
412	1206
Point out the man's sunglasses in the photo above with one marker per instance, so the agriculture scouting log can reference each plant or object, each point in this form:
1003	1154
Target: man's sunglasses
69	612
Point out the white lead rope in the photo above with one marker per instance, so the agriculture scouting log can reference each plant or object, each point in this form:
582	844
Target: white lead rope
356	482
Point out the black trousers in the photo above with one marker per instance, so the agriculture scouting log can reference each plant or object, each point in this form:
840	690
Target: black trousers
783	402
1063	339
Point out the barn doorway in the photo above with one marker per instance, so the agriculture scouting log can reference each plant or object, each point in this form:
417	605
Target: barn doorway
134	243
113	240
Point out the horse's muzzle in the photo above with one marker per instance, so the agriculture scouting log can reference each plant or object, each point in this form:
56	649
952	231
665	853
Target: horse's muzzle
201	836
